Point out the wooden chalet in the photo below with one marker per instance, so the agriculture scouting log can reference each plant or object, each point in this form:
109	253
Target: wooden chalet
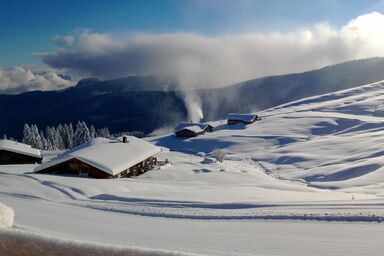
12	152
236	118
185	129
105	159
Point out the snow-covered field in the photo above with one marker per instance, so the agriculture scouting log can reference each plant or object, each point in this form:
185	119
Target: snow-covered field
308	179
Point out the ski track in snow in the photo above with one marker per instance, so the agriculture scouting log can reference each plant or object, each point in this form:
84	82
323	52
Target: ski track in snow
341	211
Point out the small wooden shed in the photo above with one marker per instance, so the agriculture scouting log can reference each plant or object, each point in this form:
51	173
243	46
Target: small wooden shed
12	152
104	158
185	129
236	118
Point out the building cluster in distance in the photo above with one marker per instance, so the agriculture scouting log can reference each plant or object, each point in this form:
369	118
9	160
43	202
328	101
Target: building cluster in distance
126	156
186	129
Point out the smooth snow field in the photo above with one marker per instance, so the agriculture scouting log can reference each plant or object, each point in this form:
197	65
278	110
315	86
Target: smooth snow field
307	179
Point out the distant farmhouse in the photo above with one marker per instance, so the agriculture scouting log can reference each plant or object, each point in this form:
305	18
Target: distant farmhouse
12	152
104	158
235	118
186	129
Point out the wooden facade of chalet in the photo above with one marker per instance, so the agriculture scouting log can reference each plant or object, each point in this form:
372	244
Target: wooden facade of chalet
235	121
9	157
188	133
241	120
75	167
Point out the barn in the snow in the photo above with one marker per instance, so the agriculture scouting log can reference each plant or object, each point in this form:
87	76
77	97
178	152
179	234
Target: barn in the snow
12	152
104	158
235	118
186	129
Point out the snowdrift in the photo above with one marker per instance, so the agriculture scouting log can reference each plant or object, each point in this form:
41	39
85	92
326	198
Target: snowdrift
6	216
18	243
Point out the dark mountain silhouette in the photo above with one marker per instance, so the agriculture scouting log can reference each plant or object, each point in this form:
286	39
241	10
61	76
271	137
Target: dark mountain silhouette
144	103
271	91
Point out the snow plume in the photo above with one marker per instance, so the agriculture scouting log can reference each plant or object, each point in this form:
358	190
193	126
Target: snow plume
219	60
6	216
20	79
18	243
193	104
187	82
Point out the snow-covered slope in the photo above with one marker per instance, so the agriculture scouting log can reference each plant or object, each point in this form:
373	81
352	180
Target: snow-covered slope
319	158
333	141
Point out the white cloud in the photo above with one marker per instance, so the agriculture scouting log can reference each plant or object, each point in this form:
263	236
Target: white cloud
21	79
200	61
63	41
365	35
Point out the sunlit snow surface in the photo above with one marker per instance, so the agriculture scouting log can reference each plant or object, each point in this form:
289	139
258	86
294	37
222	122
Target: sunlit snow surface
6	216
309	171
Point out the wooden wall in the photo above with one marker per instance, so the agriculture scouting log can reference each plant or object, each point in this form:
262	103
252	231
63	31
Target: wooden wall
8	157
76	167
239	122
186	133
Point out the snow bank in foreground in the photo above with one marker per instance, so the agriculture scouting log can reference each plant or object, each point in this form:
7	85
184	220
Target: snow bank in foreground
19	243
6	216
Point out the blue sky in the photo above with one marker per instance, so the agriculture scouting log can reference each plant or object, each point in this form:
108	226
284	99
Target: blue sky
27	26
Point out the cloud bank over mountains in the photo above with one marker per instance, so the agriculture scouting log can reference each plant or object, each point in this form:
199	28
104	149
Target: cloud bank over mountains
199	61
20	79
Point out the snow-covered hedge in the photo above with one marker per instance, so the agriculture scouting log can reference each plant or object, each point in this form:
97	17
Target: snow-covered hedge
6	216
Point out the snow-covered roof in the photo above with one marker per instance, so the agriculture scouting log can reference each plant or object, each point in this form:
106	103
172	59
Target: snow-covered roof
242	117
19	148
193	127
110	156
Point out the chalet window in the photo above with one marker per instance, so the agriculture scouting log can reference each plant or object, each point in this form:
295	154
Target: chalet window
83	173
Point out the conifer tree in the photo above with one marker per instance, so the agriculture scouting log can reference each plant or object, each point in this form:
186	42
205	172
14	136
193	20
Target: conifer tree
36	139
81	134
104	132
27	135
92	132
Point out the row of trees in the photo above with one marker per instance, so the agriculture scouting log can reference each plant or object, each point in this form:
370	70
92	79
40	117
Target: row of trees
61	136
